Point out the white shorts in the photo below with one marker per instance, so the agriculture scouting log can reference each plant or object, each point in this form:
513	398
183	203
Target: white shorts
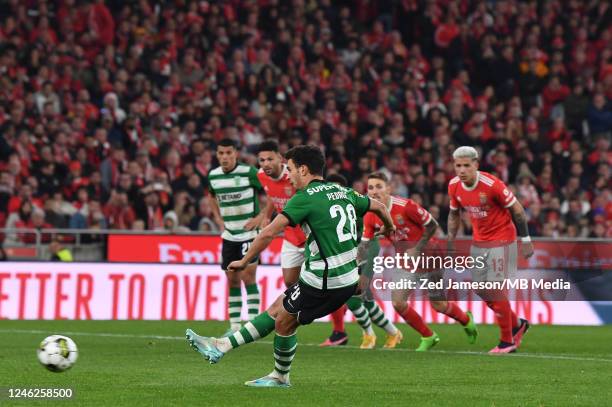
500	262
291	255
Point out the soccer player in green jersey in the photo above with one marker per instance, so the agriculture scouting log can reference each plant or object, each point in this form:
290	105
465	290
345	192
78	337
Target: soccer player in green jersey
234	189
328	215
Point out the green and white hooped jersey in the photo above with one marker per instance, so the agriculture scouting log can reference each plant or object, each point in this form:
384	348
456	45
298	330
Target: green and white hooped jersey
328	214
237	195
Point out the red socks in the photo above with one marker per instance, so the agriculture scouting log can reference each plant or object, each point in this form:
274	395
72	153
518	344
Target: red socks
506	318
515	319
456	313
413	319
337	318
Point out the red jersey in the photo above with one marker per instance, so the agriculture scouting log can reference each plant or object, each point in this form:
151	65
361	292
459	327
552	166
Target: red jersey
487	203
280	191
408	216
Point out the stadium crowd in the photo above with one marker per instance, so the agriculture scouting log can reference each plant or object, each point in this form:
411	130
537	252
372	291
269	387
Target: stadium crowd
110	110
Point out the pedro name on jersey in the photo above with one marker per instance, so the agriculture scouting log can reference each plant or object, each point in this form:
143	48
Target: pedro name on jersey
328	214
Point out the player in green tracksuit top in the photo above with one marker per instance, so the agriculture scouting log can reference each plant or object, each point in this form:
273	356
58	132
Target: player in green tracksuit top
328	215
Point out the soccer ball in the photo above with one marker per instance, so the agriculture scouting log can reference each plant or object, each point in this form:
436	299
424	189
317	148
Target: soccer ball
57	353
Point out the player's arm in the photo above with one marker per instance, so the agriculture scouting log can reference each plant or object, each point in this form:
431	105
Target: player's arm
366	250
364	205
365	241
370	205
453	222
419	215
255	221
520	221
430	230
296	210
262	241
216	212
504	196
267	214
362	252
382	212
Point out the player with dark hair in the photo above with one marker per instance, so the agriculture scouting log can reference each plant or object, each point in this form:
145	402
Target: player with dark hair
274	177
234	198
328	215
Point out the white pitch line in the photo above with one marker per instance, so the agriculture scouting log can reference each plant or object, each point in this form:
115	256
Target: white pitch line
101	334
180	338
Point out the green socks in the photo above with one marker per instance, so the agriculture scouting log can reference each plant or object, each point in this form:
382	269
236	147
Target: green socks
378	317
234	305
284	351
252	300
361	314
259	327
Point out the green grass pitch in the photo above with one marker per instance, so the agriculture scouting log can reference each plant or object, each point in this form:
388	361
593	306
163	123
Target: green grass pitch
136	363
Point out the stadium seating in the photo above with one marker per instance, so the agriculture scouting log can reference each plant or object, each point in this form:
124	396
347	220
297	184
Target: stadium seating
110	111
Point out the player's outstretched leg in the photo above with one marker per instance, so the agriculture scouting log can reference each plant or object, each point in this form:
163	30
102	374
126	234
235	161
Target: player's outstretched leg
355	304
213	349
285	341
394	335
338	336
207	347
452	309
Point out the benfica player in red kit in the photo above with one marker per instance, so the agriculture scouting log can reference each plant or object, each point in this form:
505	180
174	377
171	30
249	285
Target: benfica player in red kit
414	228
494	212
274	178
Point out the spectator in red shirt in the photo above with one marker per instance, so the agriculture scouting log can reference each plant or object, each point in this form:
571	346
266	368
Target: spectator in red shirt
36	222
553	95
118	211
